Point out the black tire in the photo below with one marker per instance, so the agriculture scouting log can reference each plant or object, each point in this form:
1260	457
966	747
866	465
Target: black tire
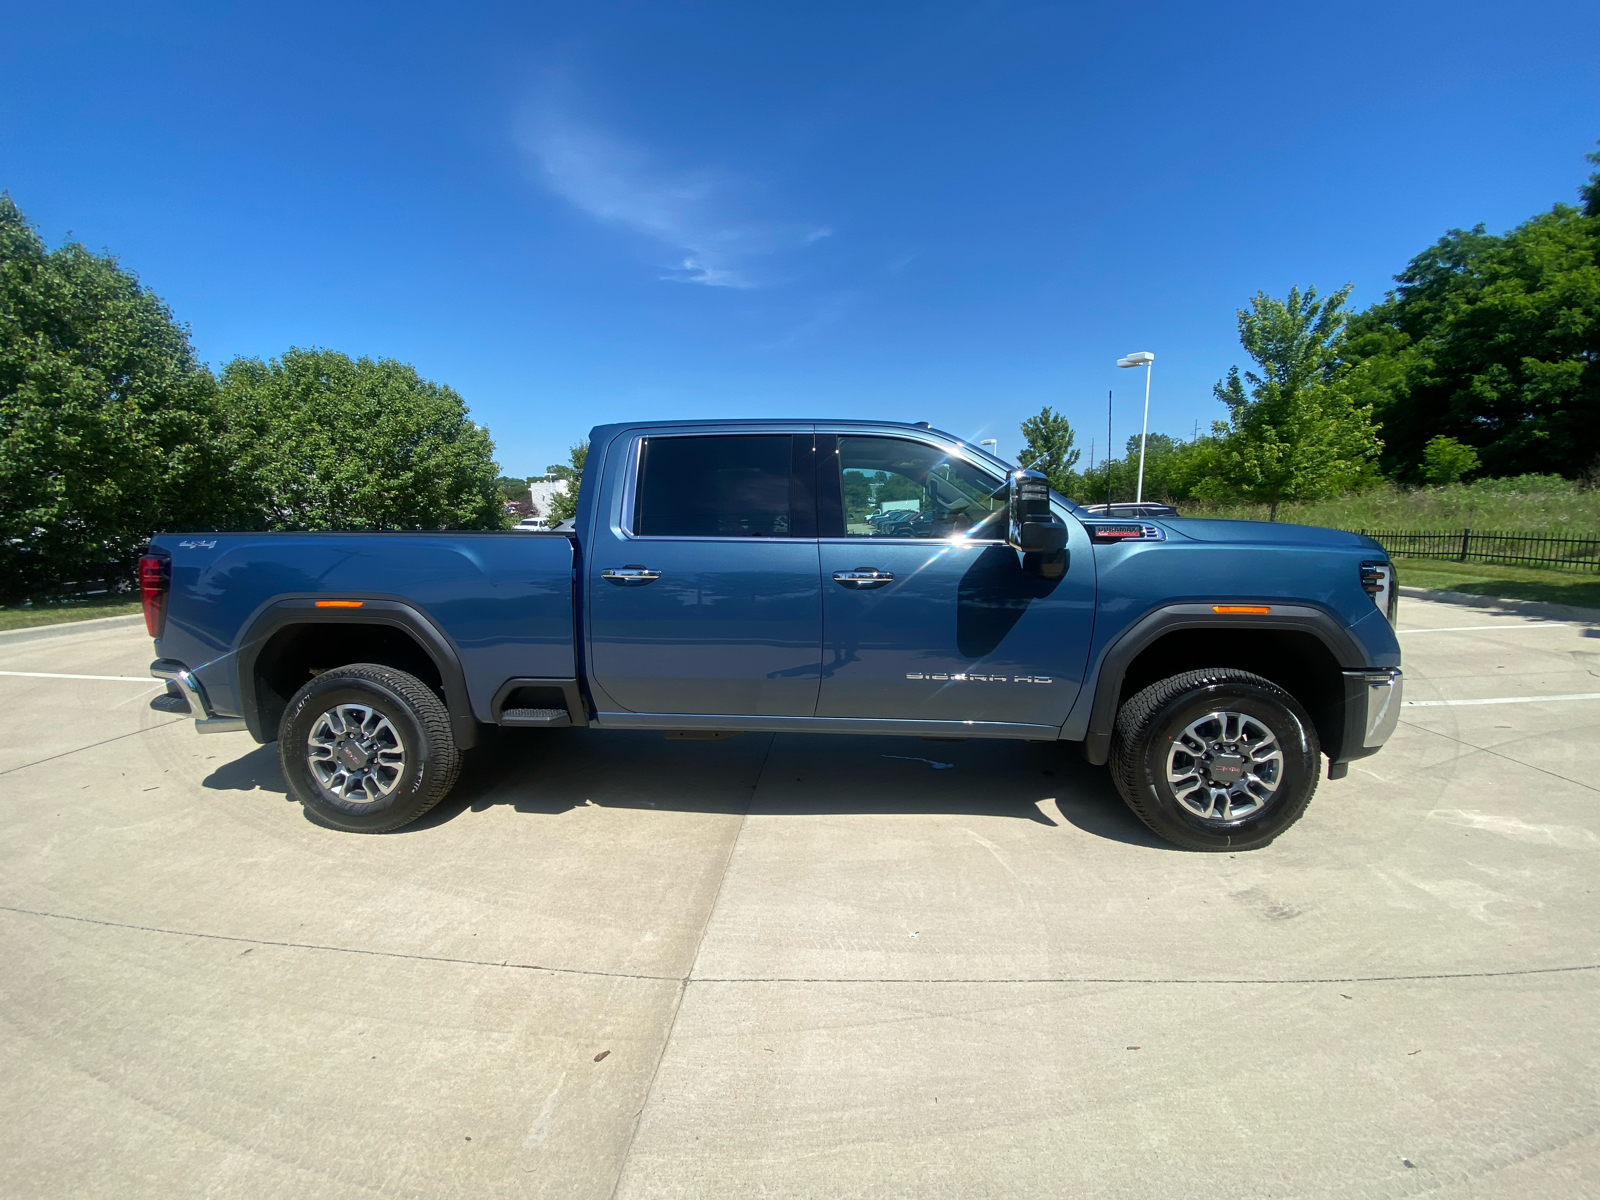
383	789
1152	722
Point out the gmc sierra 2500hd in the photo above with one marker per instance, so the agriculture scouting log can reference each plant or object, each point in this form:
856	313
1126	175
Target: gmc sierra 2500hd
798	576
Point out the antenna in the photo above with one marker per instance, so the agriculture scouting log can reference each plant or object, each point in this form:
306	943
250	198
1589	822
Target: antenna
1108	448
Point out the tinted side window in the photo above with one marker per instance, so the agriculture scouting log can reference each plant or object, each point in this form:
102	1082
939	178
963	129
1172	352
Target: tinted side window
723	486
897	488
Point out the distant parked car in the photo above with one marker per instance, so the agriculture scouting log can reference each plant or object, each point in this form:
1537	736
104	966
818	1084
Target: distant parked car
533	523
1147	509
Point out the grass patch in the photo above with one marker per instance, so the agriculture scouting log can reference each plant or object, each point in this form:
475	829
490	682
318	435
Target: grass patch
1487	579
1526	504
56	614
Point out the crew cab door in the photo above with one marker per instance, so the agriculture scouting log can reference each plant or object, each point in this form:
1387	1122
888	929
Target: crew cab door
702	578
927	613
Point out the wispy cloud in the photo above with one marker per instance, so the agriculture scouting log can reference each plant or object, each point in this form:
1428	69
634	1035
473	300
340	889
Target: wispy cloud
831	312
703	215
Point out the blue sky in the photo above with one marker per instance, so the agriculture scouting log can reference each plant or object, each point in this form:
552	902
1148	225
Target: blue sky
952	212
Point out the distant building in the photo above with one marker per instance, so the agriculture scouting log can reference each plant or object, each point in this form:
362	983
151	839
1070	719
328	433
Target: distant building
542	496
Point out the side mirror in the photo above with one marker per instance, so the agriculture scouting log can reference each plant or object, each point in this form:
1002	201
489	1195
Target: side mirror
1030	525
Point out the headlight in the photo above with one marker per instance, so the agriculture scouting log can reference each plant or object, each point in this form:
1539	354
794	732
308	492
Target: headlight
1378	580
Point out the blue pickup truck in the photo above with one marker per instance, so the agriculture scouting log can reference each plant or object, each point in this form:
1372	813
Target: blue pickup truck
798	577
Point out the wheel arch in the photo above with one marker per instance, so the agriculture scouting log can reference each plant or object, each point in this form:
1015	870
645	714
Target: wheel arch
280	642
1302	649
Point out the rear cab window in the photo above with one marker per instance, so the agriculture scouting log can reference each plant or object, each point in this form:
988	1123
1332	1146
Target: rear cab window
724	486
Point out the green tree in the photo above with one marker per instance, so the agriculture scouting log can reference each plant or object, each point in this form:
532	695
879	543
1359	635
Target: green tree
1173	469
1445	460
323	441
564	504
857	491
1047	447
516	493
106	419
1298	433
1493	341
888	487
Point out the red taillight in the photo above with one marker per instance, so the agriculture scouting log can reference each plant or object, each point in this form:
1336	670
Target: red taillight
153	582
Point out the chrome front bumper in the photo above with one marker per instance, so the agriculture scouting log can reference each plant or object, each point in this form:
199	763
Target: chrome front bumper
1380	708
205	720
1371	712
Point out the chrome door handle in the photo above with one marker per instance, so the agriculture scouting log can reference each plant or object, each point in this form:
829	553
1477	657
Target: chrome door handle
862	578
631	575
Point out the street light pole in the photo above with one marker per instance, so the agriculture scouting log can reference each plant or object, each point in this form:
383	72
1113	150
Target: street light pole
1142	358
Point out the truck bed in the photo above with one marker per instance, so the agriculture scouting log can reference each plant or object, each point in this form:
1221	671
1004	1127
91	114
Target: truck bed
502	599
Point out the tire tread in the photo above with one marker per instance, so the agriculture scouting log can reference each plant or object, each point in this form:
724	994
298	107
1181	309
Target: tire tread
1131	732
444	758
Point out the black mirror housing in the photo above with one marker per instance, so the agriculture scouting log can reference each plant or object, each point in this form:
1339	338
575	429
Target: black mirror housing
1030	525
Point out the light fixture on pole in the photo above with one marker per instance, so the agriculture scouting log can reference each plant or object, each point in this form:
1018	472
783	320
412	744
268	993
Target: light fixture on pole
992	445
1141	358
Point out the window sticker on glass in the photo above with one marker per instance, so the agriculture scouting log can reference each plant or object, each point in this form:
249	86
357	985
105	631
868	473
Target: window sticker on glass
904	489
734	486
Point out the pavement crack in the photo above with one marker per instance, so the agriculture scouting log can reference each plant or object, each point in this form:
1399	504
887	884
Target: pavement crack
1156	979
249	941
683	983
91	746
1497	754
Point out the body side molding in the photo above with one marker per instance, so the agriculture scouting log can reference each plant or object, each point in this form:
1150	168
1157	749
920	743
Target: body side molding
871	725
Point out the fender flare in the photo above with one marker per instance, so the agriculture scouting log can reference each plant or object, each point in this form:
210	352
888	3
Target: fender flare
284	611
1114	662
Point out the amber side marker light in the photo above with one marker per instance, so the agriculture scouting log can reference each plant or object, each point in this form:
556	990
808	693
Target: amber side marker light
359	603
1240	608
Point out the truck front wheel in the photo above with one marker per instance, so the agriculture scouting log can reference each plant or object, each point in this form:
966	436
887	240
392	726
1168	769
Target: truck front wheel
367	748
1215	759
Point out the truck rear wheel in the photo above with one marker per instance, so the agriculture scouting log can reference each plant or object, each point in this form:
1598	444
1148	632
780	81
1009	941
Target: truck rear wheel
367	748
1215	759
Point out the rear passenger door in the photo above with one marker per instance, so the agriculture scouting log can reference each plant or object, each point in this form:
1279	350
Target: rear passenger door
704	594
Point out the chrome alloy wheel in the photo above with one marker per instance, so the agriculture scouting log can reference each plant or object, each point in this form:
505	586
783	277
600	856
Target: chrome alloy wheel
355	753
1224	766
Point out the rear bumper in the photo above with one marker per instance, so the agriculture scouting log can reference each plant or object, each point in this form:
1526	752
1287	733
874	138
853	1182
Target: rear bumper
1371	712
205	719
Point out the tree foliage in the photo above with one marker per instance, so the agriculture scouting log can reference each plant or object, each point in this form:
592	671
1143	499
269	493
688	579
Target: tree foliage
1048	447
323	441
564	505
1493	341
107	422
1445	460
517	494
1173	469
1297	433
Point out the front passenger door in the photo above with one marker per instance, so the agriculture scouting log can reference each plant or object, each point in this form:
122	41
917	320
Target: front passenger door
927	613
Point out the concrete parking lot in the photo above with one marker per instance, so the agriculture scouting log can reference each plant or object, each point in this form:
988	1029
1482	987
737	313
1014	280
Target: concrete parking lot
618	964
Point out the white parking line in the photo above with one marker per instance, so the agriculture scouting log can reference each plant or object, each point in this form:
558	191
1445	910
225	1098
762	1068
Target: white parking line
49	675
1498	700
1464	628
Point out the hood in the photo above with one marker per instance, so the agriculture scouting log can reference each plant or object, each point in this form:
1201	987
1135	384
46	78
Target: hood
1278	533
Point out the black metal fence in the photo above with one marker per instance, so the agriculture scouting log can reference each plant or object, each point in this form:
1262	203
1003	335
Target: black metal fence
1470	545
